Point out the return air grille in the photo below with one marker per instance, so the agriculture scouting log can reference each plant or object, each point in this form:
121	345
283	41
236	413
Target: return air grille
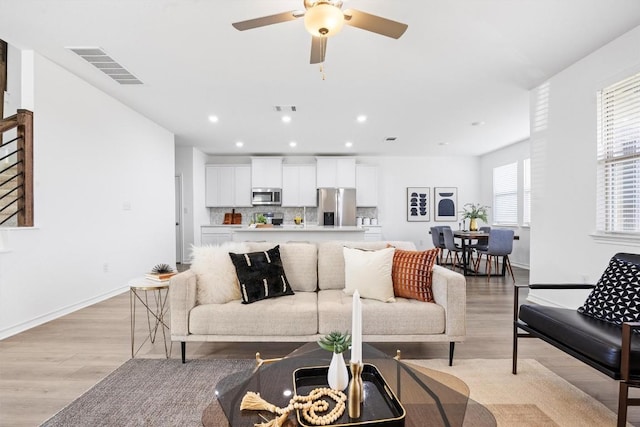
103	62
285	108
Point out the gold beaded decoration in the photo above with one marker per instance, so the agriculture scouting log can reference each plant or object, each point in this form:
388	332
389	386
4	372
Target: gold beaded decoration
313	407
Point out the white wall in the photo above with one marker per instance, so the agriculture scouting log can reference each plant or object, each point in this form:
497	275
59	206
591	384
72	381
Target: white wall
513	153
395	174
563	149
104	203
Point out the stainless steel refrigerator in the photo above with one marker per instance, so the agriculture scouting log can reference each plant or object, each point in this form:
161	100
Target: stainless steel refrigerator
337	206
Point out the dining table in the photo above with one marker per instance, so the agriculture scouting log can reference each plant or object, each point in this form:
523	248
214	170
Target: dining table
466	236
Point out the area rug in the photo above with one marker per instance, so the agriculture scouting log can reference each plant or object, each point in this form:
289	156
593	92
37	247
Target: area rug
159	392
534	397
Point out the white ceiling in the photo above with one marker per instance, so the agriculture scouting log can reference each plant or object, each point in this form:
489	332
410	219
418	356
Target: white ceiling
460	61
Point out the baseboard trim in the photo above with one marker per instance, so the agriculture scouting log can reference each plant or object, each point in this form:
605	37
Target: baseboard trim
21	327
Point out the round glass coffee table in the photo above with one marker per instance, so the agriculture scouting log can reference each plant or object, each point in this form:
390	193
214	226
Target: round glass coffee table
443	402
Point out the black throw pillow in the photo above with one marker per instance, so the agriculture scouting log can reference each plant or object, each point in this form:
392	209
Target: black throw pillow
616	297
261	275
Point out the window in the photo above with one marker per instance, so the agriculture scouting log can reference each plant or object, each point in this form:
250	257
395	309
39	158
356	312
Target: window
526	192
619	157
505	194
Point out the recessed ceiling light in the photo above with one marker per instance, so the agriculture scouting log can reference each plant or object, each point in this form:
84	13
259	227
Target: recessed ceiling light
443	143
286	119
239	144
478	123
348	144
293	144
213	119
361	118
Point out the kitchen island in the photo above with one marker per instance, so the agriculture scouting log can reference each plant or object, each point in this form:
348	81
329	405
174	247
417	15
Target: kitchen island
296	233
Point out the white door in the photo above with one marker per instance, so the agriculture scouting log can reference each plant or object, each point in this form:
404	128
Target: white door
179	239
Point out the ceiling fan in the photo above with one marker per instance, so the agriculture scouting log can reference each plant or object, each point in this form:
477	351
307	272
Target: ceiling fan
325	18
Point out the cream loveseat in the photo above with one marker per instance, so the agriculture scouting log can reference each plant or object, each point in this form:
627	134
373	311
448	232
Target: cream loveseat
316	273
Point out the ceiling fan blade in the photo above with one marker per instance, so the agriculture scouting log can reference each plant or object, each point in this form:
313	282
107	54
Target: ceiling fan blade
373	23
318	49
267	20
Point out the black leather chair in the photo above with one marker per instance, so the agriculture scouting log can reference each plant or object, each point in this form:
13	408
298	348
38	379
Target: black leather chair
611	349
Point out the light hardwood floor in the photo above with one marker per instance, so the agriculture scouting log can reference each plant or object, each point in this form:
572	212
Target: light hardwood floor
47	367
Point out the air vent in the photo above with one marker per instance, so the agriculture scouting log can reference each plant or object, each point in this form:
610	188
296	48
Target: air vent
285	108
390	139
103	62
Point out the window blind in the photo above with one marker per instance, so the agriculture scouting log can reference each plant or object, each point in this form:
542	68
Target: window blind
505	194
619	157
526	190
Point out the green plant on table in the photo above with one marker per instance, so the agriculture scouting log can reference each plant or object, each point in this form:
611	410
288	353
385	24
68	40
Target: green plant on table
336	342
475	211
261	219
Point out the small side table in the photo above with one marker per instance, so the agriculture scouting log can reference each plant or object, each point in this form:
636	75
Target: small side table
157	309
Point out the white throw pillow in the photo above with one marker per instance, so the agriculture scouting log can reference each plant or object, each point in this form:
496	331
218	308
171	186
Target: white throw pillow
369	272
216	274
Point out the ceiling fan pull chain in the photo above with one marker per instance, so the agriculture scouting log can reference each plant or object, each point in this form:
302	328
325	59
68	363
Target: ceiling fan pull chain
322	71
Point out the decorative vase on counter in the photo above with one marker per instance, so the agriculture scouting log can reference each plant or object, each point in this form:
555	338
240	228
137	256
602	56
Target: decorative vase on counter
473	224
338	376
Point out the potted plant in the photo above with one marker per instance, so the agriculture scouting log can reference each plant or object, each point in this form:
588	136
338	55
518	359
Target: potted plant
337	343
473	212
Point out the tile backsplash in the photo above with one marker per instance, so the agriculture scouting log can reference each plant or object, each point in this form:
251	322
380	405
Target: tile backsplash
216	215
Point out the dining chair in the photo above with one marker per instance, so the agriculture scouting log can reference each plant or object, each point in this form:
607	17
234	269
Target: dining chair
438	240
452	248
500	245
482	242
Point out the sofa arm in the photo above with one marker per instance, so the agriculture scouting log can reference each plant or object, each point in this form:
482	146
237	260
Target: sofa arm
449	291
182	298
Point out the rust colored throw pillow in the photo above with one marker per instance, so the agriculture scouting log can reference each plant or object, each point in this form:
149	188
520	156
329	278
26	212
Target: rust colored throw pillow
411	274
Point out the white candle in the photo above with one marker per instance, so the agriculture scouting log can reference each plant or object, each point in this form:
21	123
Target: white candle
356	329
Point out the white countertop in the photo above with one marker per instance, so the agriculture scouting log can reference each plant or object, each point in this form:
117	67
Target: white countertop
224	225
300	228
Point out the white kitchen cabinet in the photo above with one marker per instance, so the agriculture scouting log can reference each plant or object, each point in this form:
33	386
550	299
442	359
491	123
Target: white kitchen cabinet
336	172
373	233
266	172
215	235
242	186
299	186
227	186
366	185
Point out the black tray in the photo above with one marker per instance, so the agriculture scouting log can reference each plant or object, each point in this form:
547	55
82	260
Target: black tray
380	408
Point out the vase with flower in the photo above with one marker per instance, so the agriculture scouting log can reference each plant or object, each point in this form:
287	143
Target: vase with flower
474	212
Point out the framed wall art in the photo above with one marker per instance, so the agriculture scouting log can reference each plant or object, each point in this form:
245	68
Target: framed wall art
418	208
445	204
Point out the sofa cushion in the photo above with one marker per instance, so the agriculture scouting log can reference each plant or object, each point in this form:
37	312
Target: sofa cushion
294	315
217	281
369	272
331	259
300	262
404	317
616	297
412	271
261	275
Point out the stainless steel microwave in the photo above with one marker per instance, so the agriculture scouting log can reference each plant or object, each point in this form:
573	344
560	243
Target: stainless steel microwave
266	197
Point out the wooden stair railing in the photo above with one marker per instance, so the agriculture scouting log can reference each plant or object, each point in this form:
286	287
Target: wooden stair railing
16	171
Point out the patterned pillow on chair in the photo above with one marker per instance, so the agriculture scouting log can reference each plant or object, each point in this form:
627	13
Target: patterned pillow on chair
616	297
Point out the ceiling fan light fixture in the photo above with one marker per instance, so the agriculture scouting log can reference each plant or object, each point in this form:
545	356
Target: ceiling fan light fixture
324	20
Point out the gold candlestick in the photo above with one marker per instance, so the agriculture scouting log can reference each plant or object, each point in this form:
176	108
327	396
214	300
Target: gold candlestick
356	394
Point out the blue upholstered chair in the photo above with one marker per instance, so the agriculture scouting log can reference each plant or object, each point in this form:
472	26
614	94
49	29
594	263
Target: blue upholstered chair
452	248
438	239
500	245
483	242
